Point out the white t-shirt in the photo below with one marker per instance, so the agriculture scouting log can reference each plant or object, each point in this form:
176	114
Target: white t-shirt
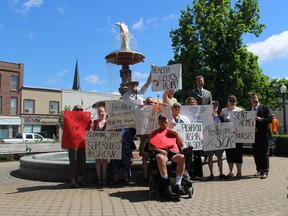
226	113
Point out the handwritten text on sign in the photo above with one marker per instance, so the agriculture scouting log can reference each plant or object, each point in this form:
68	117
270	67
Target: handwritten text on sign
192	134
219	136
121	113
74	129
198	113
104	145
147	118
166	77
244	123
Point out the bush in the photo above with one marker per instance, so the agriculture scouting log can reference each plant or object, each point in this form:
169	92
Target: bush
281	145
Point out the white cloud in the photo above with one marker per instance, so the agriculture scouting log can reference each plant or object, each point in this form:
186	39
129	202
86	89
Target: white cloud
138	25
26	6
275	47
93	79
62	73
139	75
1	25
61	10
54	81
171	16
115	93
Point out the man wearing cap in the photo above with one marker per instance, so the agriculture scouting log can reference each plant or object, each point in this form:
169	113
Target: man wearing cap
177	117
166	143
133	93
203	96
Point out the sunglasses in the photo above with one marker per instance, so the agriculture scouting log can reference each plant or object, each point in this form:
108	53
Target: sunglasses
232	101
177	107
78	109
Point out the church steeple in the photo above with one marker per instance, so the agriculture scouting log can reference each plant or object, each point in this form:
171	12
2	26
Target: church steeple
76	82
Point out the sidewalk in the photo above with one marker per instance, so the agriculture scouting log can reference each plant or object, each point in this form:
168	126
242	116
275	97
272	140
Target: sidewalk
248	196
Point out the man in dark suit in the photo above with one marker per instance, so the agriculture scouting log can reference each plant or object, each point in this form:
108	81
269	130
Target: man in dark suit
262	135
203	97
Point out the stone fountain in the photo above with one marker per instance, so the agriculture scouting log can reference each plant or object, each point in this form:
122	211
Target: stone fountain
124	57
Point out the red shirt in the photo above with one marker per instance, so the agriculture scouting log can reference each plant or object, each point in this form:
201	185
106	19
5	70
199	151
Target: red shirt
163	140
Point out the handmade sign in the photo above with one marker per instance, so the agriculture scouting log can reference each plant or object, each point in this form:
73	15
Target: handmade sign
192	134
219	136
147	118
166	77
104	145
121	113
244	123
74	129
198	113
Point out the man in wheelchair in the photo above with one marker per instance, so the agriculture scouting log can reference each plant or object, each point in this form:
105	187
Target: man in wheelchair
166	143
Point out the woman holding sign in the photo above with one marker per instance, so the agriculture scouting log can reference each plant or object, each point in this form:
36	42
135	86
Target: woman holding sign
101	164
234	155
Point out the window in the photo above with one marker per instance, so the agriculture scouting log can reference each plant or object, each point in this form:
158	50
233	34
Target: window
28	106
54	107
14	83
0	104
14	105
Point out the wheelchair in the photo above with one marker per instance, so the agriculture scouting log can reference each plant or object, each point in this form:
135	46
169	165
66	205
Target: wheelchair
156	187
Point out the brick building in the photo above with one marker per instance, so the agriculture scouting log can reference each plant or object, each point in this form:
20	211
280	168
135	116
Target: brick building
11	82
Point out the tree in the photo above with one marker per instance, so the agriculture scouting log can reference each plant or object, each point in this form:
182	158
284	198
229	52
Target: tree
61	115
208	42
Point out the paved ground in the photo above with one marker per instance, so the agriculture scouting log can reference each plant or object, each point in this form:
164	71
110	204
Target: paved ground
248	196
29	148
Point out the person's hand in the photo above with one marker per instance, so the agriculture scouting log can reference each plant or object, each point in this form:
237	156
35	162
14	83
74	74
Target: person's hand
175	133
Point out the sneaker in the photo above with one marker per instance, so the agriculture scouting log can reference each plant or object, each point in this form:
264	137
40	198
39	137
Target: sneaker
168	189
211	177
82	184
75	185
222	176
180	190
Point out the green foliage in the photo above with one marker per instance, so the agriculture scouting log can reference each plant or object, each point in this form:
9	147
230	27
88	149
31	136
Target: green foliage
208	42
61	115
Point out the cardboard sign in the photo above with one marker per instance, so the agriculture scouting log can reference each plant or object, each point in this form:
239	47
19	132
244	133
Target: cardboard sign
219	136
192	134
244	123
74	129
147	118
198	113
121	113
104	145
166	77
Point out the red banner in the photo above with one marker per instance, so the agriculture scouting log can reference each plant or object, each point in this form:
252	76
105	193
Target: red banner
74	129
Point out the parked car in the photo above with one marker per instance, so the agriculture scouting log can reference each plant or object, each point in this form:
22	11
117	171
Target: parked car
27	137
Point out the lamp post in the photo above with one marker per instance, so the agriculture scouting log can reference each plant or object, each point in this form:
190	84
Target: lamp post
283	90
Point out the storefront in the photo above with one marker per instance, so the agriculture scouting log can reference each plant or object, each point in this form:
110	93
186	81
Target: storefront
9	126
47	126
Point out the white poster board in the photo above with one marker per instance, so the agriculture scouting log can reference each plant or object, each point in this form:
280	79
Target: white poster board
103	145
192	134
166	77
244	123
121	113
219	136
198	113
147	118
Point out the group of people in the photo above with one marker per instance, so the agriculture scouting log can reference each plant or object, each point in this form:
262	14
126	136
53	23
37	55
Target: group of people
167	143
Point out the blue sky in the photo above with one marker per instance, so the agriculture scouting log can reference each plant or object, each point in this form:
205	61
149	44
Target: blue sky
49	36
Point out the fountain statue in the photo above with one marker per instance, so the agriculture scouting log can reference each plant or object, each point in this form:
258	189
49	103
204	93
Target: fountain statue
124	57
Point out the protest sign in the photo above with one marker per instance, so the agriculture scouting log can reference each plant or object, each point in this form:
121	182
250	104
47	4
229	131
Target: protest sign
198	113
74	129
147	118
166	77
244	123
121	113
104	145
192	134
219	136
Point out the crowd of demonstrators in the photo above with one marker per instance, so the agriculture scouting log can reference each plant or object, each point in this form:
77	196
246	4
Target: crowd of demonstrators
217	153
166	143
100	164
262	135
233	155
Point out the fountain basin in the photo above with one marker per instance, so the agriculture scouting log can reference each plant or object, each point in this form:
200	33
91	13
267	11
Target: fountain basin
125	57
54	167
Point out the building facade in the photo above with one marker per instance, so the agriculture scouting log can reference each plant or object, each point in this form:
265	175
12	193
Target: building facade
11	81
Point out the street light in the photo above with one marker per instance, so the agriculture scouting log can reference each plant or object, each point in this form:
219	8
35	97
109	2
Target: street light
283	90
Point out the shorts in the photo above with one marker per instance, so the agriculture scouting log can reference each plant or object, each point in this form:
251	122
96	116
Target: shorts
143	142
217	153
